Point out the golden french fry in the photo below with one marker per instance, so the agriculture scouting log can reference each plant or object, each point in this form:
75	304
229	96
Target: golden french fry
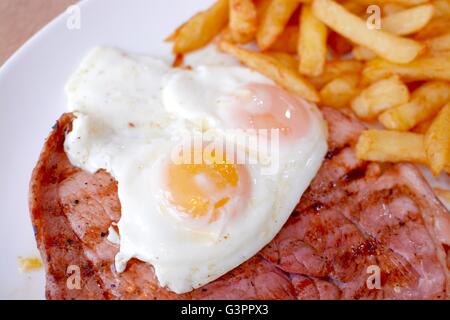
272	23
442	8
340	91
424	68
363	54
440	43
284	58
436	27
287	41
391	146
338	44
312	44
243	21
261	7
388	46
437	141
379	96
354	7
408	21
334	69
391	8
201	28
408	3
273	69
423	126
442	193
425	102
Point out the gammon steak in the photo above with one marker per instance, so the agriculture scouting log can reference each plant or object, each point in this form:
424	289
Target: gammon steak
355	218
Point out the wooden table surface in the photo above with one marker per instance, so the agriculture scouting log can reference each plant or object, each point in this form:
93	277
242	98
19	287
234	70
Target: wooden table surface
20	19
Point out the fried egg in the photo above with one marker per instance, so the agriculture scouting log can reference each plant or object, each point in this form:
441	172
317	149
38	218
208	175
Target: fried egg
136	117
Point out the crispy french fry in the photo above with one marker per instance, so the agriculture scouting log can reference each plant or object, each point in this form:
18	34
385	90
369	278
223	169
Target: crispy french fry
379	96
261	7
284	58
423	126
272	23
424	68
436	27
391	146
201	28
442	193
312	44
440	43
287	41
408	21
338	44
437	141
340	91
243	21
442	8
388	46
425	102
363	54
401	2
391	8
273	69
334	69
354	7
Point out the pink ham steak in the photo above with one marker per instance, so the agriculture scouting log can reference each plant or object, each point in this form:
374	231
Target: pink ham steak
355	216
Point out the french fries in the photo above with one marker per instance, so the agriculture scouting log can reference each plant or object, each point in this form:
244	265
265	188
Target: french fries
408	21
440	43
363	54
400	2
423	126
442	8
201	28
335	69
425	68
442	193
243	20
388	46
425	102
340	91
436	27
328	52
272	23
287	41
261	7
391	8
391	146
338	44
312	44
437	141
284	58
379	96
272	68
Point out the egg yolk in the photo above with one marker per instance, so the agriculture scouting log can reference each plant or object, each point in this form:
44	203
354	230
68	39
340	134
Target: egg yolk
265	106
204	191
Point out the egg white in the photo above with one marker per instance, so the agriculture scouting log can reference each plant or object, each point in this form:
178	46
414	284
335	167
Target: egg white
131	110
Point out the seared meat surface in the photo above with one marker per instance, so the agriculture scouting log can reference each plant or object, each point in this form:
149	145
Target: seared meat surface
354	217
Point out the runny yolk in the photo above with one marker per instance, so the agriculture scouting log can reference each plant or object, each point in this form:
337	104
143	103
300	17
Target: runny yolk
265	106
205	190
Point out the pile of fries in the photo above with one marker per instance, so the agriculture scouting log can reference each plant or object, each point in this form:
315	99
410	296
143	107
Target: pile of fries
383	60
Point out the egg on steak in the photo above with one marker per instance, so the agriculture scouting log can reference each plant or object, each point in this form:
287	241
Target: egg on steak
148	124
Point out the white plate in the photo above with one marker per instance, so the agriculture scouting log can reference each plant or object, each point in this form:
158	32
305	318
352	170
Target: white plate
32	98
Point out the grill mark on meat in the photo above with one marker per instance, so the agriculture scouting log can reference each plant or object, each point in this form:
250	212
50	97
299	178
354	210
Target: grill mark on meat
356	173
310	266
